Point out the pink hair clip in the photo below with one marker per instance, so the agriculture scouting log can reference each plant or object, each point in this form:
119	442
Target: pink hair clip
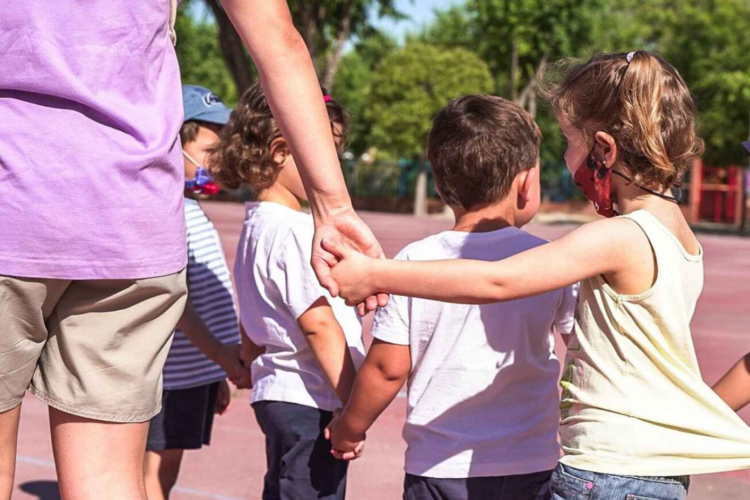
327	98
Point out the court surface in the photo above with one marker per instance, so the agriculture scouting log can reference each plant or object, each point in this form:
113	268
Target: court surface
232	467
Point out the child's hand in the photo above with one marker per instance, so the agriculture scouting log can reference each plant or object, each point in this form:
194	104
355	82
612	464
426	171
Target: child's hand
223	398
345	444
352	274
228	357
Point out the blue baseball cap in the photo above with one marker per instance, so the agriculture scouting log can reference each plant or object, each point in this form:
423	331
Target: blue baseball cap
746	144
204	106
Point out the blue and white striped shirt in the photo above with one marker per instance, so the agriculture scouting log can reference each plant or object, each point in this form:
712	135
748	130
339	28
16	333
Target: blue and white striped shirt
210	292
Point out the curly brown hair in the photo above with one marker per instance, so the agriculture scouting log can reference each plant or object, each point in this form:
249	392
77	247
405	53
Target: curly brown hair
643	104
244	154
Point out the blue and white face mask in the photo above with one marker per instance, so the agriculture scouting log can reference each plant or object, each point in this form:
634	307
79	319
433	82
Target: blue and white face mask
202	177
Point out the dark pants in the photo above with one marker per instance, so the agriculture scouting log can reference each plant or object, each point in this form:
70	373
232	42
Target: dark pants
300	464
521	487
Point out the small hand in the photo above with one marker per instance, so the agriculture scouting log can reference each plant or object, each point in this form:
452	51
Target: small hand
348	230
249	352
223	398
228	357
352	273
345	445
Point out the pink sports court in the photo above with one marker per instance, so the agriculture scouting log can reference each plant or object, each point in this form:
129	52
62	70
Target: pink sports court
232	467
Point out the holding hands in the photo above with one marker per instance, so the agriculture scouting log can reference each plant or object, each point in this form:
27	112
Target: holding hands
352	272
345	443
344	233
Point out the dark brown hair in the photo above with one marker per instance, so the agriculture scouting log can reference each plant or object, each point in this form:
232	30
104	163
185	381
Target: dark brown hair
477	146
244	154
643	104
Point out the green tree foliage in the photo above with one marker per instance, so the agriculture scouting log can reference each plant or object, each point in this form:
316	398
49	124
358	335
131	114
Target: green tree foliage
200	58
410	85
353	83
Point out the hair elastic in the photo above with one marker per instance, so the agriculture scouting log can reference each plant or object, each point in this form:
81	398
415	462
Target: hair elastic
327	98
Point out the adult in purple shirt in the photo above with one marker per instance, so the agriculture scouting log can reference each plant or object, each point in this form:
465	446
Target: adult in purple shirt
92	250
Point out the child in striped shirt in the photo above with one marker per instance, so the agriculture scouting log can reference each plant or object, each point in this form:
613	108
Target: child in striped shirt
205	349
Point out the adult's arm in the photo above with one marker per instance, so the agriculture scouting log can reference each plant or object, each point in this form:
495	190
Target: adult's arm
293	92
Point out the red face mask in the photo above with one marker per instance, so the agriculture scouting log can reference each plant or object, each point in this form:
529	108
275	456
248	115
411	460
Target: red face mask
594	179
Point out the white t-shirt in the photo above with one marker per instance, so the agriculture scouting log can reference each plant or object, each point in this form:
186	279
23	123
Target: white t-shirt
275	286
482	393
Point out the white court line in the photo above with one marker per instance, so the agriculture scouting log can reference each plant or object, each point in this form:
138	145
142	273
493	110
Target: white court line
48	464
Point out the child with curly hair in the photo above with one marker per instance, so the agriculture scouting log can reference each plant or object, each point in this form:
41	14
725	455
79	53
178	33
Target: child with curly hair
302	343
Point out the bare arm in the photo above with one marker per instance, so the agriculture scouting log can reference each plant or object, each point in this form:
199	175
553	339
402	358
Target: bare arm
198	334
603	247
293	92
382	375
734	387
328	344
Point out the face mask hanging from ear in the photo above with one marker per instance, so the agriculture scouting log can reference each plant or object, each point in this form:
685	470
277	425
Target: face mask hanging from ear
202	183
594	179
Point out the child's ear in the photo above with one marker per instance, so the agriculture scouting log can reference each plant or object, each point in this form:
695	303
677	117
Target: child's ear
607	147
280	151
526	180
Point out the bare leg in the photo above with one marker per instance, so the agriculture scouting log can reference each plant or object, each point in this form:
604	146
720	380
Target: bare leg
98	460
162	470
8	442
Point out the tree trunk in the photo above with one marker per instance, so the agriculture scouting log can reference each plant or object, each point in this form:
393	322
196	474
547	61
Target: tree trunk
308	27
420	194
232	48
512	95
528	98
342	34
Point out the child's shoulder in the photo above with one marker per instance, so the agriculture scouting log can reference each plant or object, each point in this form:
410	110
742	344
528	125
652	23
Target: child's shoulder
455	244
282	230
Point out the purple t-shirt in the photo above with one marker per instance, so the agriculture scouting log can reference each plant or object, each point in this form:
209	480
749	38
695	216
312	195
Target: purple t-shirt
91	168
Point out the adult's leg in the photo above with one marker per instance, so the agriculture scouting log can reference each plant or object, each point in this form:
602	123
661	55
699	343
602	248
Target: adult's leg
100	373
98	460
8	442
25	305
162	469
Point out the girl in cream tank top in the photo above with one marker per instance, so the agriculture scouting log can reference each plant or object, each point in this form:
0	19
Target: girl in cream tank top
634	401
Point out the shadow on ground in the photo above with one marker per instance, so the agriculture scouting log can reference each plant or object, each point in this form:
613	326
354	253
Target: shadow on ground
44	490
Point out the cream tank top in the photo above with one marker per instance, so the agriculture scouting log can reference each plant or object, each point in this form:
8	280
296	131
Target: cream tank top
634	401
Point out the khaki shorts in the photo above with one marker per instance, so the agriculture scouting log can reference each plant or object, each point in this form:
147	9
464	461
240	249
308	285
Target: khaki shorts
94	348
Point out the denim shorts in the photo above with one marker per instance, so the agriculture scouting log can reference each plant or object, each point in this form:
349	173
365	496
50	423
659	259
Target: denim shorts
569	483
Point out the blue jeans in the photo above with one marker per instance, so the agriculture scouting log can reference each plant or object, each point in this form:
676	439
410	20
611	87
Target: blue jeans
521	487
569	483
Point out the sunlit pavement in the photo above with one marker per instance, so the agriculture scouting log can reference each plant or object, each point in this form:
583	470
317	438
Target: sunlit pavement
232	467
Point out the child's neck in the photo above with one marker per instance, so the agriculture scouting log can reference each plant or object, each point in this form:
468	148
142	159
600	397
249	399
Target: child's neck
281	195
630	198
483	219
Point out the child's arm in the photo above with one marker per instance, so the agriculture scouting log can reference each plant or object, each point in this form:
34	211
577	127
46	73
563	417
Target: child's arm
196	331
734	387
602	247
249	351
328	344
382	375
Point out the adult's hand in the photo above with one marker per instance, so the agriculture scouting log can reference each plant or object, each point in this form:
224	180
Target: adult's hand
346	229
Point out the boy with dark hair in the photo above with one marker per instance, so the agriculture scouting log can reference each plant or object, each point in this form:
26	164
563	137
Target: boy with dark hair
482	380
